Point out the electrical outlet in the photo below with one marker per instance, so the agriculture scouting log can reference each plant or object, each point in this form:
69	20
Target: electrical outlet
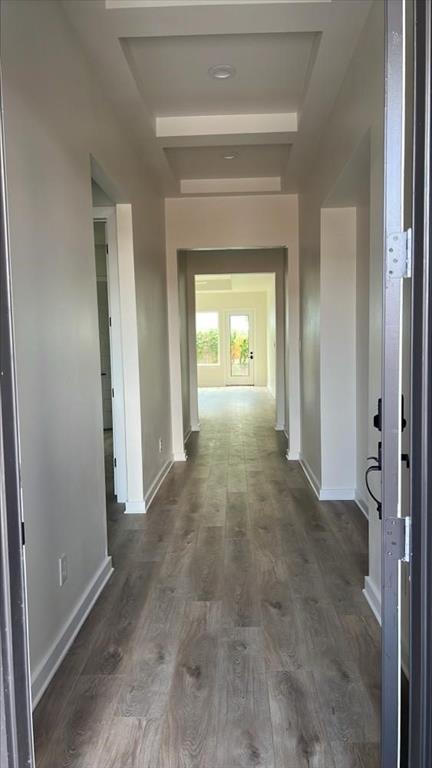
160	445
63	569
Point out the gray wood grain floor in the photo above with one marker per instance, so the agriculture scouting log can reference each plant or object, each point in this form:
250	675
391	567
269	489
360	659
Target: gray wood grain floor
233	633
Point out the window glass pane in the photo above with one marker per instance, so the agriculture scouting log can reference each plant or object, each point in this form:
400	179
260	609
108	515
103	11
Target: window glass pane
207	338
239	345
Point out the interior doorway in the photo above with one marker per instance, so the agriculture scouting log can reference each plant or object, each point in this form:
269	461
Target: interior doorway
101	253
113	373
235	331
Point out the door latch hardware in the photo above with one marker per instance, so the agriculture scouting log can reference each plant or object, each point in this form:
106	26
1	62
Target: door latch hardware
398	255
397	538
405	459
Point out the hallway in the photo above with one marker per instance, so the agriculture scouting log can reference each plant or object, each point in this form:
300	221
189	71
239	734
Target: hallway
233	632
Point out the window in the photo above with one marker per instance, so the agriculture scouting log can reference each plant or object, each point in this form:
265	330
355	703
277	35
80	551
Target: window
207	338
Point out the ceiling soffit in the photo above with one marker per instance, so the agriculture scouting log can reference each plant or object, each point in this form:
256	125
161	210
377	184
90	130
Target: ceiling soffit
288	60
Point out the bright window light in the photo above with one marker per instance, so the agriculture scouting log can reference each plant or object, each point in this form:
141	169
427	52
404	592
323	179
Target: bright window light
207	338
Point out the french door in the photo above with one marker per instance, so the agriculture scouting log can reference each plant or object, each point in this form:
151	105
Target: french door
239	348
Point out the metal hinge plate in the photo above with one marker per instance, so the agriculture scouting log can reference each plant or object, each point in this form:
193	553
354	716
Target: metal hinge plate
397	537
398	255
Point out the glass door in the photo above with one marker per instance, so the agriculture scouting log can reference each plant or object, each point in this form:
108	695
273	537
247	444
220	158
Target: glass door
240	348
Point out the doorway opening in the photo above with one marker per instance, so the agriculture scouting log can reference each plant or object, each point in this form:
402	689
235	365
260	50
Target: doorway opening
235	339
101	253
113	373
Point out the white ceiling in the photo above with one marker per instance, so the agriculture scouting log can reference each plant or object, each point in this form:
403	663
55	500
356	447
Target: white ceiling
290	58
241	283
209	162
172	72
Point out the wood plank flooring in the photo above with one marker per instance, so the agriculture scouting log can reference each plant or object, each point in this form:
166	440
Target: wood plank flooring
233	633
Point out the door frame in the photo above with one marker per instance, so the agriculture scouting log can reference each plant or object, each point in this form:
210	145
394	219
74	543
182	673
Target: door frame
231	261
420	706
107	215
229	380
16	725
395	261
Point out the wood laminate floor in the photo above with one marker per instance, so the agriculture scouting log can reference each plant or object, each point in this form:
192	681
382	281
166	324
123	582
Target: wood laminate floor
233	633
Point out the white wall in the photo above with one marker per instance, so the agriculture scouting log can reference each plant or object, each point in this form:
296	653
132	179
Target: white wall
229	222
362	347
338	352
358	110
215	375
184	342
55	117
271	348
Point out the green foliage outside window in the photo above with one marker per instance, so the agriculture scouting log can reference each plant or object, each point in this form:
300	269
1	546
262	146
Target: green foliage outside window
208	347
239	347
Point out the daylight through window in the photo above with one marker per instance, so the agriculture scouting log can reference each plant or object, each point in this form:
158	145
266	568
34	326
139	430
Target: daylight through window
207	338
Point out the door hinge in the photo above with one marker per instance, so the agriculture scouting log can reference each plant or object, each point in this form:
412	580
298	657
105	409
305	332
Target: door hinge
112	392
106	246
115	461
397	537
398	255
22	534
110	322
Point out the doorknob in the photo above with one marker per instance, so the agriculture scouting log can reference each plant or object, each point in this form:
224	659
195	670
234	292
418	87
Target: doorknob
251	355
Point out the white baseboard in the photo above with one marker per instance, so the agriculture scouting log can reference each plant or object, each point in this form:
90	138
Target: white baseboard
362	504
310	476
293	455
195	427
280	427
135	507
323	494
46	669
157	482
373	597
181	456
337	494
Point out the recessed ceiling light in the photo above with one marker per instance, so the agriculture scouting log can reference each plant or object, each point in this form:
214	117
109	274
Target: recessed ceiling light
230	156
222	71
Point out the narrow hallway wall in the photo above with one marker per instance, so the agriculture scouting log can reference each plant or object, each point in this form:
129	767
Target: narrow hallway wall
358	110
338	353
55	118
